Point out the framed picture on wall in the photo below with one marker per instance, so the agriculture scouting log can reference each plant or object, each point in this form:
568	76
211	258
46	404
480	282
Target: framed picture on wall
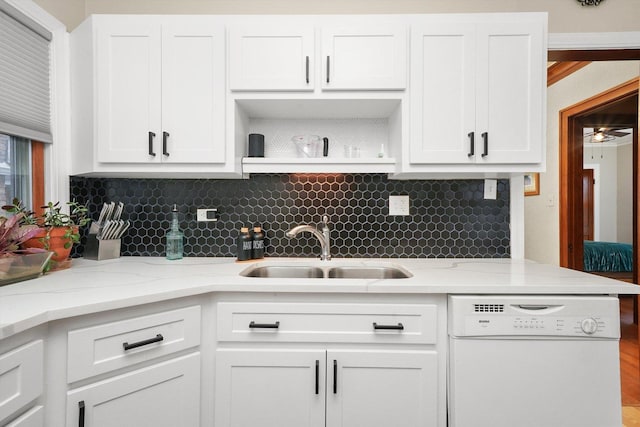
531	184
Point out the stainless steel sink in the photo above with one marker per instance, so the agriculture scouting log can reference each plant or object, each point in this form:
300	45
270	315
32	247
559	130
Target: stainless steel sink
284	271
367	272
375	272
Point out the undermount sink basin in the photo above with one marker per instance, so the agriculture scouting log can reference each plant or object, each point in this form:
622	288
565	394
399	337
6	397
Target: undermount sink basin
367	272
375	272
284	272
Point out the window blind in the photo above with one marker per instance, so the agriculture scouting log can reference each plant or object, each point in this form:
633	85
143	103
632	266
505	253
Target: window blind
24	81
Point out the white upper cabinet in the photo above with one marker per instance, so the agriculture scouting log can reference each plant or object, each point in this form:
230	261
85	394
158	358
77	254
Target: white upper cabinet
477	92
271	58
148	96
157	95
128	81
291	57
509	106
364	57
160	93
193	82
443	97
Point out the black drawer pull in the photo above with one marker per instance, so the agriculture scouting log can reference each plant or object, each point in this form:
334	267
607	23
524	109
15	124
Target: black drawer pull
317	376
328	69
307	69
472	144
335	376
128	346
398	327
151	136
264	325
165	135
485	137
81	414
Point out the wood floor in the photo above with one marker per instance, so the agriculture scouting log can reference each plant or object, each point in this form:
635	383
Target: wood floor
629	366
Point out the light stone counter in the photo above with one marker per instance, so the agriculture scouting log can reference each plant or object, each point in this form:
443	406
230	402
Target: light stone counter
94	286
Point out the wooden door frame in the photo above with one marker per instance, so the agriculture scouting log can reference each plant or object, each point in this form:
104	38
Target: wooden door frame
571	161
587	203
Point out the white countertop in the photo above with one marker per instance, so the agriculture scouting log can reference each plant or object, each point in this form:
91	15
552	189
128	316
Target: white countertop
93	286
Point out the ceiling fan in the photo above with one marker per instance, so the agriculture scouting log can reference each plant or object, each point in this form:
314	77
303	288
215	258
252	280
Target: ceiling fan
603	134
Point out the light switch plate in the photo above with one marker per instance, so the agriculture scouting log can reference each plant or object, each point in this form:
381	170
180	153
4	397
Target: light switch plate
207	215
399	205
490	189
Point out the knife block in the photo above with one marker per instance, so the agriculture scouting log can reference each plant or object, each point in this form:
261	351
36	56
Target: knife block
101	249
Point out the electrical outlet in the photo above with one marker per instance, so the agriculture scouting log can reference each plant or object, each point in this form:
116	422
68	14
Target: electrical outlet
399	205
490	189
207	215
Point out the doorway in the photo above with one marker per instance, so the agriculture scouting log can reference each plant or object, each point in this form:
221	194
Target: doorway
616	107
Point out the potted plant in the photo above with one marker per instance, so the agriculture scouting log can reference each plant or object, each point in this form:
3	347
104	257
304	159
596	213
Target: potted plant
16	262
13	233
57	231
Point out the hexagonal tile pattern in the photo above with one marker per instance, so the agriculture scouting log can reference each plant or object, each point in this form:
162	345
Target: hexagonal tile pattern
447	218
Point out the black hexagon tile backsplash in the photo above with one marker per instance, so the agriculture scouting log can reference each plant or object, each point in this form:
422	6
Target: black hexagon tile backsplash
447	218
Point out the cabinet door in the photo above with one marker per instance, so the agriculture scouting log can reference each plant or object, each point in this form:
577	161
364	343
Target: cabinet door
193	93
364	58
162	395
442	93
271	58
128	60
511	85
21	378
32	418
382	388
279	388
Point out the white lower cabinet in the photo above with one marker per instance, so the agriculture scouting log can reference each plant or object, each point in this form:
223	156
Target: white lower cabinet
140	367
162	395
21	379
270	388
377	388
336	388
32	418
338	364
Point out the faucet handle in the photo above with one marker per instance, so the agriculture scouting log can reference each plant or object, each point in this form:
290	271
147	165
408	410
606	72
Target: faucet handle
325	219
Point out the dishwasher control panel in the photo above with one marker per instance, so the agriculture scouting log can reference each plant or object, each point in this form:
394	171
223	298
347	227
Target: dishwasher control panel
579	316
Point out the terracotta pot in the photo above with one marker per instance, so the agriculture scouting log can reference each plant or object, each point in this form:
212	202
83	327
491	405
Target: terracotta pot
55	243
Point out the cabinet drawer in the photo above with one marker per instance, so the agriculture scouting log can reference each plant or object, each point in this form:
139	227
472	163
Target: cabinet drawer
366	323
21	377
103	348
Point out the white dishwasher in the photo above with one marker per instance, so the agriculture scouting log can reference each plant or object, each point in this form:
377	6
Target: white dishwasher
534	361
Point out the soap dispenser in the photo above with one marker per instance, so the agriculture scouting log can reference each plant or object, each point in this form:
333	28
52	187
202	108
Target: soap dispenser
175	237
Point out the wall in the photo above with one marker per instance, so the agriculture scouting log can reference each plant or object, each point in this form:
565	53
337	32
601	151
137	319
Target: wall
448	218
564	15
607	159
542	228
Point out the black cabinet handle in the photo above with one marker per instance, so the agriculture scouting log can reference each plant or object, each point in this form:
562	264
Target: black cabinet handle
485	137
264	325
165	136
151	136
472	144
307	69
328	68
398	327
317	376
128	346
335	376
81	414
